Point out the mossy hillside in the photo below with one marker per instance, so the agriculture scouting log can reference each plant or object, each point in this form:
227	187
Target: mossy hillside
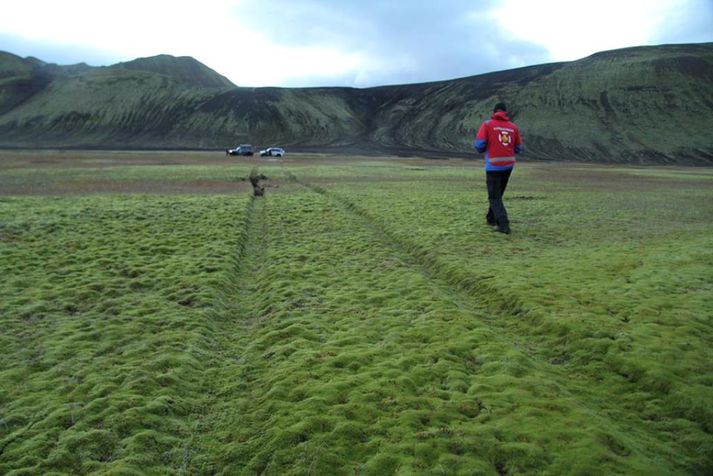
272	116
627	102
16	81
98	106
185	69
105	328
636	105
12	66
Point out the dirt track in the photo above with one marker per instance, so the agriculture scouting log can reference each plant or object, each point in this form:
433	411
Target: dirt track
44	172
80	172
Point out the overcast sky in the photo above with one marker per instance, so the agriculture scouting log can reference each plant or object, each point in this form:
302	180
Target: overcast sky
356	43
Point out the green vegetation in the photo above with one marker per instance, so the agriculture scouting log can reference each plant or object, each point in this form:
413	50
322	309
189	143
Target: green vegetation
358	319
646	105
103	326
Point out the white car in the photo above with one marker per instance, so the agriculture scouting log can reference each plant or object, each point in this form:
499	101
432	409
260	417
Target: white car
272	152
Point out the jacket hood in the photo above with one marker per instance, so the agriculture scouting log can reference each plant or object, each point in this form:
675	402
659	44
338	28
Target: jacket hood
500	116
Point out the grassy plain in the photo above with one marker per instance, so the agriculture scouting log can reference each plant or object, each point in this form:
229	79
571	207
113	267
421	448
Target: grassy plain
358	319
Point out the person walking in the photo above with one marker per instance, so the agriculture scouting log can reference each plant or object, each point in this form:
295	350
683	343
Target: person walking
500	139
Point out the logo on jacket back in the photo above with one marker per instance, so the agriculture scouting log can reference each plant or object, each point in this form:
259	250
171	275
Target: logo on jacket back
504	136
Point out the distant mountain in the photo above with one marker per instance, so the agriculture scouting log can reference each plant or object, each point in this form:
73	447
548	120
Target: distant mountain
184	69
635	105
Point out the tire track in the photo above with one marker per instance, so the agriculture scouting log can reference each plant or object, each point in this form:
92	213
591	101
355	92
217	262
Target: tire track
244	262
462	281
467	291
430	263
498	310
237	379
230	329
512	317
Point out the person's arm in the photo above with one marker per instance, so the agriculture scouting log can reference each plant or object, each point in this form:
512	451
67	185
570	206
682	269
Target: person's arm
481	140
518	142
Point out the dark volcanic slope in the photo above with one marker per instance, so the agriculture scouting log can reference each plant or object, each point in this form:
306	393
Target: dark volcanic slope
636	105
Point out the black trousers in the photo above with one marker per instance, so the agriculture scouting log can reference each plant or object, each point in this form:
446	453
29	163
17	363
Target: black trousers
497	182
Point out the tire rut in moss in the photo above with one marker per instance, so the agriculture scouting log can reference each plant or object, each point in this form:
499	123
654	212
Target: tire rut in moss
459	281
249	245
233	325
470	292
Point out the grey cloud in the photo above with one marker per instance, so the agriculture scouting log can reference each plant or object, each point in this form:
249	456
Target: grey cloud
405	41
402	41
692	24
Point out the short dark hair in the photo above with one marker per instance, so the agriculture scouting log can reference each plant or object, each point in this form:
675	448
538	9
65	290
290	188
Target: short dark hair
500	107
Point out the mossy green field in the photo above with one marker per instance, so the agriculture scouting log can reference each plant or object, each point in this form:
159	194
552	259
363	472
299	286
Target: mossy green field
360	318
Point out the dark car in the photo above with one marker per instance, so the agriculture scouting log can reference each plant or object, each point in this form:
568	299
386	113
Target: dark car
242	149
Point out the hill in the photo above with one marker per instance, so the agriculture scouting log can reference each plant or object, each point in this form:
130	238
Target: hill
183	69
635	105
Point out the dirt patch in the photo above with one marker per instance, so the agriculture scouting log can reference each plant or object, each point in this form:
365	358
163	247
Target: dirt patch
89	187
590	177
14	159
562	176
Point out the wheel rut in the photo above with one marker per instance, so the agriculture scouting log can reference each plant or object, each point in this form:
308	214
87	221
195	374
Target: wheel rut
494	309
242	383
232	324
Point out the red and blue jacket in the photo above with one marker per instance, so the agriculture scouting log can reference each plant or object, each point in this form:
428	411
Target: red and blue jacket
500	140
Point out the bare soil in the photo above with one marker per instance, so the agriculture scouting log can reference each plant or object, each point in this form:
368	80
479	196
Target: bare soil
45	161
589	176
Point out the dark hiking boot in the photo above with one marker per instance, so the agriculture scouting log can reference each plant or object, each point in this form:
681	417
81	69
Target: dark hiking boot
502	229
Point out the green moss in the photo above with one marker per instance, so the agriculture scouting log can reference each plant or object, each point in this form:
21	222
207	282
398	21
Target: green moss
107	357
361	321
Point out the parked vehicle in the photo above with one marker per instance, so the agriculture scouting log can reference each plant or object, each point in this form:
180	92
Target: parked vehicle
242	149
272	152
